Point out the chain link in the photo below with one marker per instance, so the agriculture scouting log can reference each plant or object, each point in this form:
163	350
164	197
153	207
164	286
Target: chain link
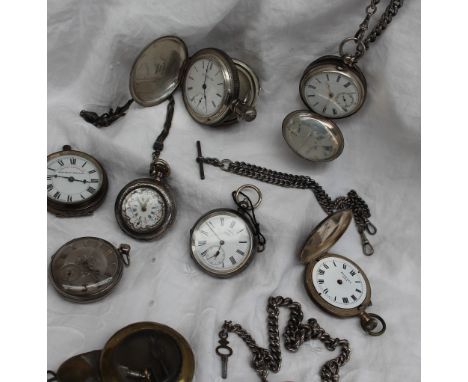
352	201
360	39
295	334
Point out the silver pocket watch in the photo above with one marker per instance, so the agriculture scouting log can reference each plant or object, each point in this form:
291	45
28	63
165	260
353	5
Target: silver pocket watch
333	87
76	183
217	90
224	241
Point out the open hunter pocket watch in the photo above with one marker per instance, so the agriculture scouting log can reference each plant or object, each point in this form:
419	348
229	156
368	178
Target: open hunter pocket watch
217	90
337	284
224	241
143	351
76	183
333	87
87	269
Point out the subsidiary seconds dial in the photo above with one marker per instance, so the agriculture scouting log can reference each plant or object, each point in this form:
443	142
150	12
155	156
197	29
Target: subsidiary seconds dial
222	243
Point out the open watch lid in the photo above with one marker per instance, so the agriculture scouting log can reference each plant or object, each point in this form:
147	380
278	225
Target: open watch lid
158	70
82	367
148	351
325	235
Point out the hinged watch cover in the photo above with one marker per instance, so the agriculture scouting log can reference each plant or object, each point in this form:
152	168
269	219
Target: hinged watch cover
158	70
325	235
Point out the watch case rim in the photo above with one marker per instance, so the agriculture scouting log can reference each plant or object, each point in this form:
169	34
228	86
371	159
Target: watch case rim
253	246
231	91
86	207
167	93
335	63
164	190
324	121
188	360
97	296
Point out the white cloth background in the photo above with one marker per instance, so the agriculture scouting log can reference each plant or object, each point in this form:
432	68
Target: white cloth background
91	46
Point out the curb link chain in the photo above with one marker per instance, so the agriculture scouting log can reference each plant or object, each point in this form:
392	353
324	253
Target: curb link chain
353	201
295	334
362	42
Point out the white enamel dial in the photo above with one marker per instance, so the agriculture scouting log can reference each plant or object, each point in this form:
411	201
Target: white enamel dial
222	242
312	138
143	209
72	178
204	86
332	93
339	282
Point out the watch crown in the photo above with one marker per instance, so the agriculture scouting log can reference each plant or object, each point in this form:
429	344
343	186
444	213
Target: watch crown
159	169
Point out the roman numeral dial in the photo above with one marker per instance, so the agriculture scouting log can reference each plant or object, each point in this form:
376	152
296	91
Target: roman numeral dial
72	177
205	86
339	283
332	89
222	243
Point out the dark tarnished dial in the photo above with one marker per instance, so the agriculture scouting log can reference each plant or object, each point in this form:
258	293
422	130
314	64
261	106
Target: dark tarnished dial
86	269
147	350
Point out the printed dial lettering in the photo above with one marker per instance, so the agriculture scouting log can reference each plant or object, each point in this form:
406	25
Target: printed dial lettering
69	178
332	94
204	86
222	242
339	283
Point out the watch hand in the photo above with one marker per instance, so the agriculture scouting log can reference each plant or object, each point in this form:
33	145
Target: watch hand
70	178
214	233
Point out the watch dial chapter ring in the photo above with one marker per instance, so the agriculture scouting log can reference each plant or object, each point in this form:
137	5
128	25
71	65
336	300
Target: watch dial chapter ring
251	253
335	64
324	305
95	296
231	90
86	207
169	213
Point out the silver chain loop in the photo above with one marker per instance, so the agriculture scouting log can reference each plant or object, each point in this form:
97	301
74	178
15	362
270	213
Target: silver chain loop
360	39
295	334
352	201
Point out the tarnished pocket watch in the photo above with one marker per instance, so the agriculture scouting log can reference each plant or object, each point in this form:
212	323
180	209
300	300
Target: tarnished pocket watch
224	241
76	183
337	284
87	268
143	351
217	89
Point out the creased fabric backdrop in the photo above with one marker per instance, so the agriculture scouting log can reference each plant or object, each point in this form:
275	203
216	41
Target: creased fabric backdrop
91	47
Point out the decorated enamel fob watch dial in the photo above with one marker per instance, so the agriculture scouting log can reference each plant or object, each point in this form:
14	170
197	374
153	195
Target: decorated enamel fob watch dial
333	87
224	241
334	282
217	90
76	183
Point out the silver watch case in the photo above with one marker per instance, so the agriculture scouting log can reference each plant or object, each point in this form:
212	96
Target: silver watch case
169	212
86	207
335	63
250	255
